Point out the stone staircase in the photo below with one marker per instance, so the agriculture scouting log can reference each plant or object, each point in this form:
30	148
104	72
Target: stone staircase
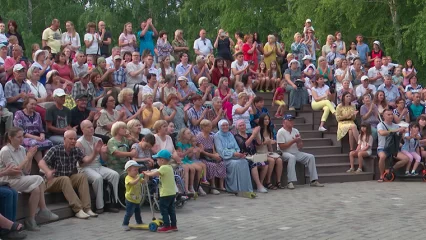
331	156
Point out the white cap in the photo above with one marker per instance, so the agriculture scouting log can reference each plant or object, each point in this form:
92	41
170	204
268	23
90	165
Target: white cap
46	54
59	92
308	20
182	78
131	163
376	42
17	67
307	57
364	78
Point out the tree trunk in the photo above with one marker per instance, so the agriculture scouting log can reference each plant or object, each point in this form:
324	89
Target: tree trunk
396	28
30	15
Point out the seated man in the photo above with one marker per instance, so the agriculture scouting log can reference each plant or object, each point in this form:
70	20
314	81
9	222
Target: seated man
290	143
259	109
93	169
364	88
60	166
415	109
383	130
391	91
17	89
238	68
85	87
58	118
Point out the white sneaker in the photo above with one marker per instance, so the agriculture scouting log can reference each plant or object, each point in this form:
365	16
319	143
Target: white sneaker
215	192
91	213
201	191
262	190
290	186
81	215
322	129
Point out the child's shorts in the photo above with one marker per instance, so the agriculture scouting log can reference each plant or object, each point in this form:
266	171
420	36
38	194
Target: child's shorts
279	102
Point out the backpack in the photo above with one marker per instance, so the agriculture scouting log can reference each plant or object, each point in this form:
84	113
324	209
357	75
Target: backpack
392	142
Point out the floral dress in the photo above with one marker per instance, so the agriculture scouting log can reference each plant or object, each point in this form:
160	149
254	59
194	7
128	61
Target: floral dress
344	124
34	126
215	169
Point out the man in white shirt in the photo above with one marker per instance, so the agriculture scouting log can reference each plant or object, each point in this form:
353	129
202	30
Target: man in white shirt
290	142
110	60
388	66
365	87
149	68
376	73
134	71
202	45
238	68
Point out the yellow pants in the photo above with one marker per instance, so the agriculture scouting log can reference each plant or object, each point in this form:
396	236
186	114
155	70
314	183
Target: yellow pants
326	106
279	102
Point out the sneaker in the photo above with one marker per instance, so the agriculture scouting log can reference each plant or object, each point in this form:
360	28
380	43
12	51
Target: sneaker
262	190
164	229
205	182
290	186
414	174
322	129
261	90
351	170
31	225
126	227
316	184
291	109
99	211
91	213
174	228
215	192
201	191
359	170
47	215
407	173
82	215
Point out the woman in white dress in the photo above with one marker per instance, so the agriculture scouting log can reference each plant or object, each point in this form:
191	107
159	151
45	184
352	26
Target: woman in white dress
14	154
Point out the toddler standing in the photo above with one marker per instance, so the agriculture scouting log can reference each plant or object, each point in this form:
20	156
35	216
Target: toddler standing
133	195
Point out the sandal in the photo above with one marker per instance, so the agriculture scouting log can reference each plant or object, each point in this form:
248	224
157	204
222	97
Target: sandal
279	186
16	227
270	186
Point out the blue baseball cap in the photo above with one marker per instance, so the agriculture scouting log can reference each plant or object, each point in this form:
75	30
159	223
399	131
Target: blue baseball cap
288	117
163	153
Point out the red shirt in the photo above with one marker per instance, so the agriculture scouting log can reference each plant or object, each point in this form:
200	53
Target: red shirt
280	93
216	75
374	55
63	72
250	56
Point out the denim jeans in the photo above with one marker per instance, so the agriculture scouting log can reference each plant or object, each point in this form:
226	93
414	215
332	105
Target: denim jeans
8	202
130	209
167	209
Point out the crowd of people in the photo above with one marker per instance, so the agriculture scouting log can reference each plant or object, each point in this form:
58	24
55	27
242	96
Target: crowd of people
83	110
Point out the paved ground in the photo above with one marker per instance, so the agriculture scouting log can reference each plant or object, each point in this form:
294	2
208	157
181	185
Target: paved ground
366	210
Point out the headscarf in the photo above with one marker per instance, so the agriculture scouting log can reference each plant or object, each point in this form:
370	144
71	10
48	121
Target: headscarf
220	123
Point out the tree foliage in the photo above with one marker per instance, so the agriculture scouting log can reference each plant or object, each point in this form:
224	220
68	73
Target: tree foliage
397	24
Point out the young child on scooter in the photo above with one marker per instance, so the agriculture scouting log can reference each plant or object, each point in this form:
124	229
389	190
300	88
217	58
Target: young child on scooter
133	193
411	148
167	190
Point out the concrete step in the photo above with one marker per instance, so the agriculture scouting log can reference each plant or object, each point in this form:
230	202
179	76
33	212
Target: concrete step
303	126
312	142
306	134
320	150
343	177
333	167
62	209
279	121
332	158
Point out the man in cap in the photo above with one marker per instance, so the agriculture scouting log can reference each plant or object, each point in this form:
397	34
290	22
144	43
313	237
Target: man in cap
119	74
110	60
364	88
60	166
17	89
80	113
84	87
290	142
58	118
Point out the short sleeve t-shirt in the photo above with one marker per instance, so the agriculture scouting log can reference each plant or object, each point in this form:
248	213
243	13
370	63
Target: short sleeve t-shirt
238	67
244	116
117	163
53	39
382	139
167	181
60	118
94	48
105	47
133	192
283	136
146	42
141	153
321	91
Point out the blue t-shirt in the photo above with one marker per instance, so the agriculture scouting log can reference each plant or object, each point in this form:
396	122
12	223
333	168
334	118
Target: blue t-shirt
363	49
146	42
417	110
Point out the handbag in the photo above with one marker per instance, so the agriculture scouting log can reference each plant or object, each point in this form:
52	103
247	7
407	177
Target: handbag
258	157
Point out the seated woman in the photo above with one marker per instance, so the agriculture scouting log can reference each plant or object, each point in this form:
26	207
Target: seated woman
14	154
345	115
168	88
185	150
150	114
53	81
320	95
247	144
108	116
30	121
216	113
238	177
219	71
265	147
205	91
185	92
126	100
9	228
134	128
380	101
225	93
346	88
298	95
247	80
370	114
119	147
242	111
401	112
216	169
173	113
412	88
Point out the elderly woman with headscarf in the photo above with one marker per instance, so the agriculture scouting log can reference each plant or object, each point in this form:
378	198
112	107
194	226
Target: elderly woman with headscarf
238	177
298	93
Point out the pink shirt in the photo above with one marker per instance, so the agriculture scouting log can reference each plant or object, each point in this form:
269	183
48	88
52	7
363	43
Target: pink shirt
64	72
9	63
